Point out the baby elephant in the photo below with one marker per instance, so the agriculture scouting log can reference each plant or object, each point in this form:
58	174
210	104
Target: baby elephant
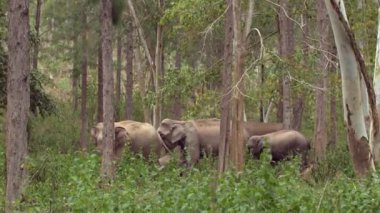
283	144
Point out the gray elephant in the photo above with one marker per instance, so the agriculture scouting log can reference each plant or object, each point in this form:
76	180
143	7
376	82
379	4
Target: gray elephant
201	137
283	144
139	137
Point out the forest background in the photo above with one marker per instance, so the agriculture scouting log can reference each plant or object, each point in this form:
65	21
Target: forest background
64	104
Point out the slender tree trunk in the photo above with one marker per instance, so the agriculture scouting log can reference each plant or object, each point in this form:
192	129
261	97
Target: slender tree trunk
75	75
320	134
100	85
298	106
142	37
226	96
143	86
129	74
107	167
177	106
118	76
286	50
333	134
18	101
352	66
37	29
374	132
261	78
83	111
237	107
159	71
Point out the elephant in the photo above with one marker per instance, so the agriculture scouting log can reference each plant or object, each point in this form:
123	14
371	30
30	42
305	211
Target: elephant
197	138
139	137
283	144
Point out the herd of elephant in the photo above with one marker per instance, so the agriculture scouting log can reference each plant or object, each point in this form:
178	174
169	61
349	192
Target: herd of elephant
197	138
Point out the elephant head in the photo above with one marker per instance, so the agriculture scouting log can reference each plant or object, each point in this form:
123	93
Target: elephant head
171	132
255	145
121	137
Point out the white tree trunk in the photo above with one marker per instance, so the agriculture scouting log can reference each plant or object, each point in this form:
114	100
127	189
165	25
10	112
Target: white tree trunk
352	98
375	138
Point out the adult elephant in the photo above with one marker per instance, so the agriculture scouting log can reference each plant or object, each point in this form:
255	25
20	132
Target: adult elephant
139	137
282	144
201	137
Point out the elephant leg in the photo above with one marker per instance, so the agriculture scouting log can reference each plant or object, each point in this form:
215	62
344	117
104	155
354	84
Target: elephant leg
192	146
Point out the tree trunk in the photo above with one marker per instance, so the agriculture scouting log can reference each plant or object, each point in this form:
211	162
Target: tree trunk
143	86
37	29
226	96
83	111
352	65
142	37
129	74
286	51
333	134
159	71
107	167
177	106
18	101
100	86
375	138
237	150
298	106
75	75
118	76
320	135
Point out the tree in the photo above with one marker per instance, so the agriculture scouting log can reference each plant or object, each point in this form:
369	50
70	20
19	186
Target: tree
18	100
226	96
286	50
119	47
37	34
320	134
237	103
159	67
129	73
100	85
374	133
107	170
84	67
352	69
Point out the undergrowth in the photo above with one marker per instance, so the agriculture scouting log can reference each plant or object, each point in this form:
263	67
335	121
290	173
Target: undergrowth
61	179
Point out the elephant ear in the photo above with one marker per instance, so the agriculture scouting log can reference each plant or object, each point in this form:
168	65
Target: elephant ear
178	132
260	145
121	137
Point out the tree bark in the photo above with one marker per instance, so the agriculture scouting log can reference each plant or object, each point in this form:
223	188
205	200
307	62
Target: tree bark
100	85
143	86
333	134
37	29
159	71
177	106
75	75
375	137
118	75
286	51
226	96
298	106
320	134
18	101
83	111
237	107
129	74
142	37
352	66
107	167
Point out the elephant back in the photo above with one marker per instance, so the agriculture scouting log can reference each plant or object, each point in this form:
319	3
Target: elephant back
257	129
